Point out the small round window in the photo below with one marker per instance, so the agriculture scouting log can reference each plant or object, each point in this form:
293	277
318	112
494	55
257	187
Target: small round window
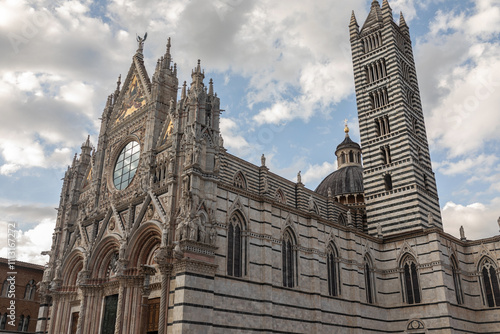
126	165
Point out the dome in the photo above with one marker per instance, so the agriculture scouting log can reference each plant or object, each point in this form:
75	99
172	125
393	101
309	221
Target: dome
348	143
346	180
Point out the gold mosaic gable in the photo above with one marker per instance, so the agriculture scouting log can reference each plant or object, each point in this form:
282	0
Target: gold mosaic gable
133	99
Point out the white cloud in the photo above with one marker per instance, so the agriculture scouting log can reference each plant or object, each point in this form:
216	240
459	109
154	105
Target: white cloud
482	164
232	140
479	220
316	173
460	86
31	243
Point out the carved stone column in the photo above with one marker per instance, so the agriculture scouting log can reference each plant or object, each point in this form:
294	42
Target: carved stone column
166	271
119	308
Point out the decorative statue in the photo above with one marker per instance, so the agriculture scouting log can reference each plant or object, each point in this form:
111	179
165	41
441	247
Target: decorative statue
330	194
430	219
266	185
216	163
349	217
213	235
462	233
141	40
299	177
262	160
196	154
193	231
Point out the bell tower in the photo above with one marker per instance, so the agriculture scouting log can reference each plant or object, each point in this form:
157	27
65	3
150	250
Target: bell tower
399	184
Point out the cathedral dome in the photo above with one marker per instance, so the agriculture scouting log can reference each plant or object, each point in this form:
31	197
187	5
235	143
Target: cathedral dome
346	180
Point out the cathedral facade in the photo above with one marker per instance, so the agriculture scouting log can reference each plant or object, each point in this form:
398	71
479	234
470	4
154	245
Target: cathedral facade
161	230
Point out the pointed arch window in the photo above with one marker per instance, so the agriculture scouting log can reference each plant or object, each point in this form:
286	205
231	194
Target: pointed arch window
29	292
456	281
21	323
239	181
333	271
5	287
369	281
26	323
490	287
3	321
289	259
235	246
410	282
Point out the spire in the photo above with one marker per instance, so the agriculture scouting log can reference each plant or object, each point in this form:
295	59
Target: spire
386	11
403	26
117	90
87	143
197	75
353	22
374	17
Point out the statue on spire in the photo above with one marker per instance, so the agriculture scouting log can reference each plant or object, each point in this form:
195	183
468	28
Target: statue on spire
141	40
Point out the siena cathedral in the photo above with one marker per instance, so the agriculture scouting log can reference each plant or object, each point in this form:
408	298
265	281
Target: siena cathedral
161	230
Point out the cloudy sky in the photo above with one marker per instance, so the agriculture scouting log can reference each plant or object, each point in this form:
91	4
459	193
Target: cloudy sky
283	72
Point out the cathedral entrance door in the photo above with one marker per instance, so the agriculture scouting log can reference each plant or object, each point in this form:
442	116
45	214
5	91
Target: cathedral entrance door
109	317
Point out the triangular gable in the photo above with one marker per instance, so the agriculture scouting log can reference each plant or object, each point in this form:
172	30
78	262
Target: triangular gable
166	131
136	91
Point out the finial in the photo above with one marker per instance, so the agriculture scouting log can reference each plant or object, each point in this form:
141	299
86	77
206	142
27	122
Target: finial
119	82
87	142
211	87
168	46
353	19
175	69
346	128
183	92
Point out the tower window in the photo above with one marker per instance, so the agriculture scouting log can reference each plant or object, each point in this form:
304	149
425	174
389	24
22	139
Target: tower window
388	182
410	280
379	98
375	71
371	42
289	259
490	288
382	126
351	156
3	321
385	152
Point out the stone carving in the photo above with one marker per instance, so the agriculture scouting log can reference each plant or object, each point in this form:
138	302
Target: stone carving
299	177
349	218
196	154
213	235
141	40
330	192
430	219
216	163
266	185
263	160
462	233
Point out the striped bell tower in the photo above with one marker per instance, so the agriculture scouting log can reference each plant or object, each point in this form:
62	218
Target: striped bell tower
400	187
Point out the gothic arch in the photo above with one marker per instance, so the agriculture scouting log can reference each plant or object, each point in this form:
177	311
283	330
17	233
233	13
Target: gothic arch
369	275
341	219
280	196
103	255
289	264
457	282
239	180
333	269
143	242
236	245
72	266
489	281
237	206
410	282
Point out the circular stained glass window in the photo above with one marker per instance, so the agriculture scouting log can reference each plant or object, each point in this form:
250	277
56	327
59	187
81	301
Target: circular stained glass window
126	165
